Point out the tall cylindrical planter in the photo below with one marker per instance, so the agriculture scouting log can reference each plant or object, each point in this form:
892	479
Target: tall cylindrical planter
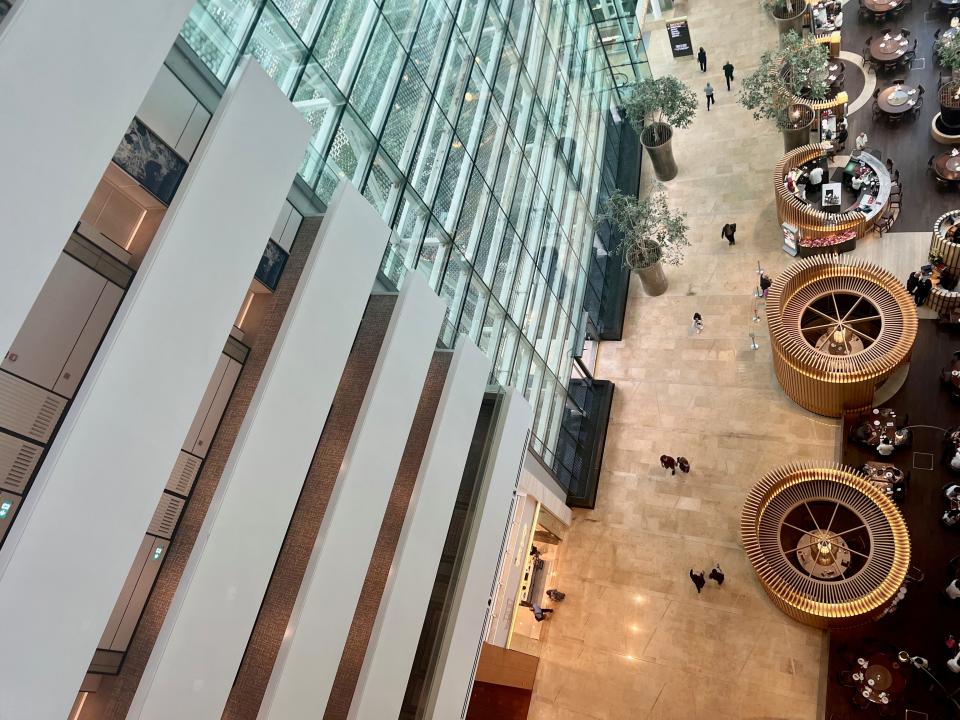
798	121
795	22
653	279
661	154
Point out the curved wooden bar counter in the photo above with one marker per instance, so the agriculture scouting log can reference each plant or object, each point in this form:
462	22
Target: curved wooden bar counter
945	244
798	525
839	328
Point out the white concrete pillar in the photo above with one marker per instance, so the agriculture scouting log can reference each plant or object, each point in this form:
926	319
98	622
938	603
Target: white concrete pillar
70	550
450	688
72	75
396	630
320	623
198	651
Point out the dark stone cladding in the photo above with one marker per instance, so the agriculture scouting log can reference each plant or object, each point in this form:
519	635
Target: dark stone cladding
113	700
278	601
351	661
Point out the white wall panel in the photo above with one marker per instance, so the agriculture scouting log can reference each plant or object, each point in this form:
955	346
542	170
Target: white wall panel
173	113
56	139
70	550
200	646
460	647
320	623
396	630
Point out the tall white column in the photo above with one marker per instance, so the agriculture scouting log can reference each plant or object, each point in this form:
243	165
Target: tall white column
72	75
201	644
320	623
450	688
396	630
69	552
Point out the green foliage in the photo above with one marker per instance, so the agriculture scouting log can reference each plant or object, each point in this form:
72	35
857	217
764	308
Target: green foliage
651	231
662	100
795	68
949	53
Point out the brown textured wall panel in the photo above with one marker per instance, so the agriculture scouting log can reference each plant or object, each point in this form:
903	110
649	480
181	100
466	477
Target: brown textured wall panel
116	693
264	643
356	647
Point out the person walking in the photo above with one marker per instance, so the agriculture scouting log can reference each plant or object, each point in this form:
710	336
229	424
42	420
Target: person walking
728	74
697	579
668	463
683	464
729	233
539	613
765	283
702	59
709	91
717	575
697	323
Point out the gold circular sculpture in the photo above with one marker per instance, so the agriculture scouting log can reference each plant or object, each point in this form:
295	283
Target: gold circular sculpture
839	328
830	549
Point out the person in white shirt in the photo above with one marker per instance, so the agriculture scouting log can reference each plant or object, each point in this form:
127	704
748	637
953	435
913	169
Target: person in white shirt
861	141
856	182
816	176
885	447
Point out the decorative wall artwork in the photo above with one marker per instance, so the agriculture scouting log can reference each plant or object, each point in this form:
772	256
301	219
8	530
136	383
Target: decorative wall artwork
150	161
271	265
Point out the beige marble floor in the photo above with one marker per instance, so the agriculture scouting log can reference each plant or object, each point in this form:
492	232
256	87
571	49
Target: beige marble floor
633	639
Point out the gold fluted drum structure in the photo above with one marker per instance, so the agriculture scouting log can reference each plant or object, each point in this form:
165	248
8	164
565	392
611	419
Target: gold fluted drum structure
829	548
839	327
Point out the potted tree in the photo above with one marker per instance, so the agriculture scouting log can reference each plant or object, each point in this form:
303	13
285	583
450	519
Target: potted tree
652	235
784	78
788	14
668	104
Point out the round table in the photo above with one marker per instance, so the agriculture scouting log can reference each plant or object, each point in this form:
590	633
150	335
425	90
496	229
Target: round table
888	50
881	675
897	99
947	166
879	6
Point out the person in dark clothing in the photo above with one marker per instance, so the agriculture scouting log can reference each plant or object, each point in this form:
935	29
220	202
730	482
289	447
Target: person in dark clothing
840	140
728	73
702	59
923	289
765	283
948	281
540	613
717	575
913	281
556	595
668	463
683	464
698	580
729	233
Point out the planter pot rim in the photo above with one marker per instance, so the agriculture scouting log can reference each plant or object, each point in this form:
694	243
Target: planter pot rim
668	132
802	9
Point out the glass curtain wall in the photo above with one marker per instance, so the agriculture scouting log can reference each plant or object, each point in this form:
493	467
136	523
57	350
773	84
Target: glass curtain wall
477	129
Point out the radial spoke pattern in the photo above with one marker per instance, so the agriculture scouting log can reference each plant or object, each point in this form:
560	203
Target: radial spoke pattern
829	548
838	328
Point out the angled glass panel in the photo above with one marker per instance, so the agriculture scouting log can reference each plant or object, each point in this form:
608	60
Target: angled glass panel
408	230
319	101
456	70
343	37
373	92
474	306
403	16
405	118
303	15
492	327
383	185
431	41
350	149
427	166
433	254
453	290
215	29
503	365
277	48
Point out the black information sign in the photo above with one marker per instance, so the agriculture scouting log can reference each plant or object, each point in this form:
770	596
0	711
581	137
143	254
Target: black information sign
679	33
